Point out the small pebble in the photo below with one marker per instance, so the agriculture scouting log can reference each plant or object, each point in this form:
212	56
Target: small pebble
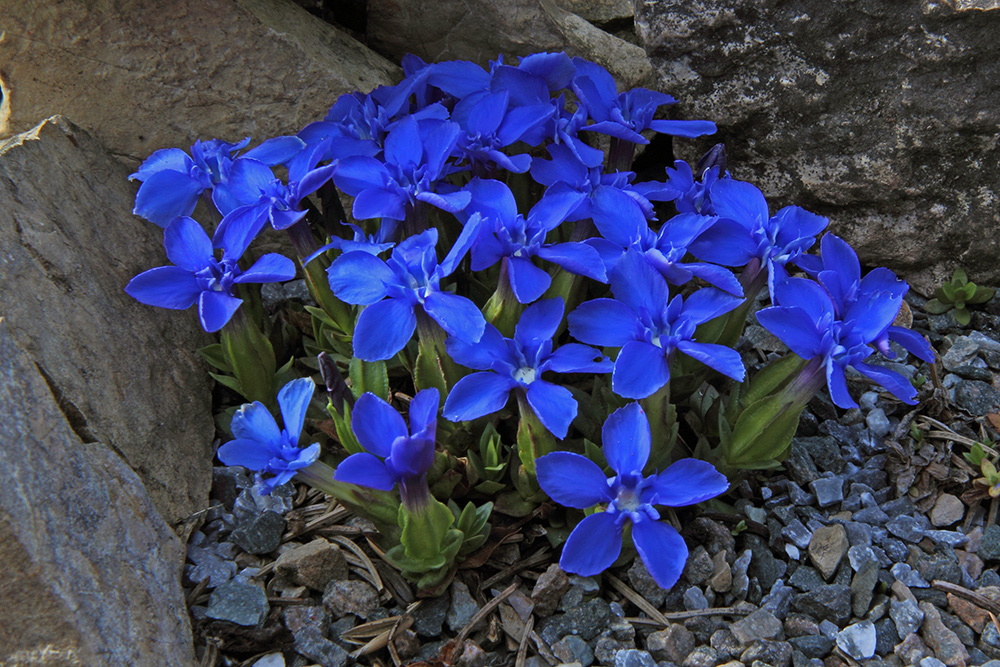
858	640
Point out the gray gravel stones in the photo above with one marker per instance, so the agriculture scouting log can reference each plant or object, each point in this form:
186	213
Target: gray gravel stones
549	589
350	597
832	603
463	606
314	564
572	648
863	587
673	643
858	640
760	624
989	546
812	646
909	528
694	599
827	549
428	618
586	620
828	490
238	601
775	654
634	658
260	534
907	616
878	422
976	397
947	647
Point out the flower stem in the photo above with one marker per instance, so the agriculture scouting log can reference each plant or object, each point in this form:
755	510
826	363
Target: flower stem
252	359
620	158
381	507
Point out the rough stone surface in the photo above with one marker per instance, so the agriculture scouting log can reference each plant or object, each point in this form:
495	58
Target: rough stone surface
549	589
350	597
942	640
673	643
125	374
239	601
91	571
314	564
478	31
761	624
818	106
947	510
858	640
169	74
827	548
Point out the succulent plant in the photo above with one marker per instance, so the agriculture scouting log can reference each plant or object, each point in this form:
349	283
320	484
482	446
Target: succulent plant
957	295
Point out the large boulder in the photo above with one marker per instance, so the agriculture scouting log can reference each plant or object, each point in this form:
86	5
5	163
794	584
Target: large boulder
91	571
882	116
124	374
482	29
147	75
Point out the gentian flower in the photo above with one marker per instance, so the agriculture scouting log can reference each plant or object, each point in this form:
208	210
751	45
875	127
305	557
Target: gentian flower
172	181
651	328
395	456
517	364
489	125
841	276
805	318
595	543
625	115
393	289
505	234
414	169
747	231
198	276
261	446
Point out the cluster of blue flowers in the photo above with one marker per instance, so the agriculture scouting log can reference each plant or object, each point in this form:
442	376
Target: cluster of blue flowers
437	167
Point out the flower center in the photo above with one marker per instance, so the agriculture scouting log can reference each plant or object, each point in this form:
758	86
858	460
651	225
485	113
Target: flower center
525	375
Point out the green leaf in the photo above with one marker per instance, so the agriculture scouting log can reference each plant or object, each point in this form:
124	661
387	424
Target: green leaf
975	454
428	371
762	433
424	531
230	382
950	291
963	316
490	488
216	356
368	376
981	295
959	276
936	307
967	291
342	425
771	378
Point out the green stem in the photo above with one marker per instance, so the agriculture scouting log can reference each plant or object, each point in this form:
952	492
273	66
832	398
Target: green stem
533	439
251	357
662	416
503	309
304	243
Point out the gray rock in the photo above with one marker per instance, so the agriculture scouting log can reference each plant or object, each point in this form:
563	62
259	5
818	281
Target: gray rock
976	397
764	567
812	646
239	601
939	638
760	624
311	644
92	573
906	615
886	636
827	549
989	546
791	131
797	533
270	660
699	566
634	658
573	649
952	538
314	564
208	565
703	656
805	578
350	597
463	606
644	584
878	422
587	620
828	490
673	643
261	534
139	389
858	640
863	587
832	602
694	598
428	618
908	528
776	654
549	589
905	573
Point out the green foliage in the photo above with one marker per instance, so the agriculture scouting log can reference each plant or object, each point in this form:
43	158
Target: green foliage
956	295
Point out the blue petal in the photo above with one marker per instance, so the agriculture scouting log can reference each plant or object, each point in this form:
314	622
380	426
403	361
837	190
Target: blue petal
383	329
252	454
554	406
843	270
377	424
165	195
378	203
739	201
165	159
527	281
276	151
724	359
795	328
640	369
618	217
577	258
617	130
270	268
715	275
215	309
238	228
636	283
360	172
470	232
626	439
402	145
522	120
683	128
556	69
411	458
794	222
482	354
453	202
458	77
249	179
165	287
187	244
913	343
424	410
456	315
492	198
805	294
662	550
576	358
837	384
898	385
572	480
539	321
293	400
366	470
593	546
553	209
873	312
439	144
688	482
487	113
477	395
726	242
707	304
360	278
254	422
604	322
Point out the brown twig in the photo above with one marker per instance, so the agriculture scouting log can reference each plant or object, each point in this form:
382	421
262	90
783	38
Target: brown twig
485	611
522	649
961	591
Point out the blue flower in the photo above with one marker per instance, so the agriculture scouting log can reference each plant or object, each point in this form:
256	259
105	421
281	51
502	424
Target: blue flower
414	169
510	364
746	230
627	114
198	276
651	328
395	455
261	446
505	234
393	289
172	181
489	125
805	318
595	543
